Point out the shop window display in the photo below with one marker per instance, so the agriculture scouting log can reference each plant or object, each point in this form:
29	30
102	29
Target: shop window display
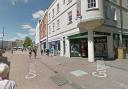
100	47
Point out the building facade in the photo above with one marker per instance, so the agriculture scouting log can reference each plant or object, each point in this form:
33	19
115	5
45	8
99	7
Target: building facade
43	31
87	28
37	36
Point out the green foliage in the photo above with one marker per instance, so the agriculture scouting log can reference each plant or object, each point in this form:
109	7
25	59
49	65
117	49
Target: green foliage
27	42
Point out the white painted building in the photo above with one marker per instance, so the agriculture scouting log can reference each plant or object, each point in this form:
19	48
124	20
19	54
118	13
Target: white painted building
37	36
86	28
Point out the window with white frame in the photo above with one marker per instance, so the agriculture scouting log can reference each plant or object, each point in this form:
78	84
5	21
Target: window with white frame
110	12
49	30
63	1
69	1
53	27
70	17
53	13
92	4
58	8
58	24
49	16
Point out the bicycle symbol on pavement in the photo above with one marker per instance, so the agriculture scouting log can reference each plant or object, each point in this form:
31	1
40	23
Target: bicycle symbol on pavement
100	69
31	72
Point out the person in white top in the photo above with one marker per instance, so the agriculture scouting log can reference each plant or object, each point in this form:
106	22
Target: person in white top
5	83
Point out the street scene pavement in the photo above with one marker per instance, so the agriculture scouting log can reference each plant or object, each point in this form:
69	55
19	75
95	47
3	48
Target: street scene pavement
55	72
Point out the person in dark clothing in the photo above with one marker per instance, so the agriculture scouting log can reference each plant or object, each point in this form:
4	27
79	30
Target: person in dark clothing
47	52
41	51
30	53
35	52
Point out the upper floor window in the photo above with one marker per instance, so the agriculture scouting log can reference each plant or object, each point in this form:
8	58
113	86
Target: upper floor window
58	24
63	1
49	30
53	13
69	1
70	17
49	16
91	4
53	27
110	12
58	8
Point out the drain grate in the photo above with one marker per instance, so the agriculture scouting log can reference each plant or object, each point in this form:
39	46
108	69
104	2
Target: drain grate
59	80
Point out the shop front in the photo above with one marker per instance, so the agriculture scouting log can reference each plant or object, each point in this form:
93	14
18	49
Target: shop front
55	47
79	45
43	46
100	47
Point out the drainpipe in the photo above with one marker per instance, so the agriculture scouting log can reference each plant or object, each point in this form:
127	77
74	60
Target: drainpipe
121	25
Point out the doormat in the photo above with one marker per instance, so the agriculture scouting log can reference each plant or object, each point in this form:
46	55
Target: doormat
59	80
78	73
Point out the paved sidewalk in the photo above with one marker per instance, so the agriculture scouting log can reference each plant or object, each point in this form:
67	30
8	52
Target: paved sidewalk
87	80
118	63
55	72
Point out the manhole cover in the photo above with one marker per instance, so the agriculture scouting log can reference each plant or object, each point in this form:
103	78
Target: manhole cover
59	80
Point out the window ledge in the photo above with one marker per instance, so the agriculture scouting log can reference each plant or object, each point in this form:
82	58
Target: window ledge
58	28
69	2
92	9
69	23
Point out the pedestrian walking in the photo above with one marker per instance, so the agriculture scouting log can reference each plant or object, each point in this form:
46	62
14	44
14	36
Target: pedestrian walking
41	51
5	83
12	50
30	53
47	52
35	52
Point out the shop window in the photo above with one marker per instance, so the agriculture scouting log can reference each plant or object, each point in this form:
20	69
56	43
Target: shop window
100	47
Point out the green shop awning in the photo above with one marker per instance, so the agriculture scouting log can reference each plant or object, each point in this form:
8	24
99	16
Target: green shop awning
101	33
80	35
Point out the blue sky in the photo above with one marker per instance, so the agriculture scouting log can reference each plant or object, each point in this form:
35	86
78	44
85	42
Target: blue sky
19	17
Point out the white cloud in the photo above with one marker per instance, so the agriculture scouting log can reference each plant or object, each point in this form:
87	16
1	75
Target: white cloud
26	26
37	14
13	2
30	29
21	35
32	34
